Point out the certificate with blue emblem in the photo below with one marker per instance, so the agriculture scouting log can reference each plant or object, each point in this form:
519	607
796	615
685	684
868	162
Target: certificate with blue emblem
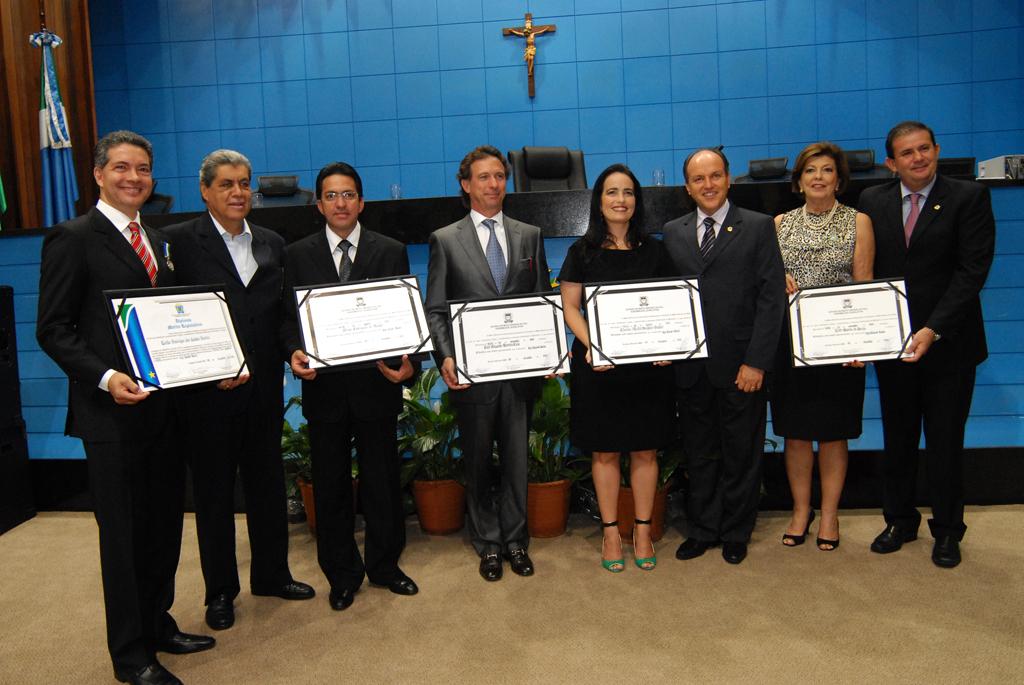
172	337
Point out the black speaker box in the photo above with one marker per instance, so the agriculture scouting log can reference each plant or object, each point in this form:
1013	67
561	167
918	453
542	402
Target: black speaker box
15	483
10	391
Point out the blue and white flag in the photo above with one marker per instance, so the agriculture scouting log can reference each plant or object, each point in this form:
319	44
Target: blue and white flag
60	188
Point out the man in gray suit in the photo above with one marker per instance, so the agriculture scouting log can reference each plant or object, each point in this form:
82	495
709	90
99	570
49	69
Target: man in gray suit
484	255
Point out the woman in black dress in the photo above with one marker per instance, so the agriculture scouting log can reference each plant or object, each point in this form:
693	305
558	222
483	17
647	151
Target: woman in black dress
617	409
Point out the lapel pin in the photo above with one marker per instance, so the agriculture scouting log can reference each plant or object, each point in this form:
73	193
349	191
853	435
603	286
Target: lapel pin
937	207
728	229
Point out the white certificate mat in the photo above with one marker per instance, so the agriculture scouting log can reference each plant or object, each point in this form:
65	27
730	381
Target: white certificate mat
362	321
173	337
645	321
509	337
835	324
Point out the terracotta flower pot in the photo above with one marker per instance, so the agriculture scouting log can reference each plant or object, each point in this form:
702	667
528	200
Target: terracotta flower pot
626	513
440	504
547	508
309	502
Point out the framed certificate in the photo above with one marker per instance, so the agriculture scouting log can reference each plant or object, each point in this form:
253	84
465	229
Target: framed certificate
867	321
173	337
360	322
517	336
645	321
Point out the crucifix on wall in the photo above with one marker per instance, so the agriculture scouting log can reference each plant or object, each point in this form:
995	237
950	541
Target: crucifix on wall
530	33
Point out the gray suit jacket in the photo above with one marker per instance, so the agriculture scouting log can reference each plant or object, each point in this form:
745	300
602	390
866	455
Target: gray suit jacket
742	290
458	271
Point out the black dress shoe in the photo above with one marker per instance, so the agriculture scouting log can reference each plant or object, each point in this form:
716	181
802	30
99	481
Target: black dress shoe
220	613
290	590
490	567
892	538
520	563
154	674
401	585
692	548
342	599
185	643
734	552
946	552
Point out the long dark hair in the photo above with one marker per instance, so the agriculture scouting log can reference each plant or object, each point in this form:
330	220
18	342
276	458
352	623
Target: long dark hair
597	230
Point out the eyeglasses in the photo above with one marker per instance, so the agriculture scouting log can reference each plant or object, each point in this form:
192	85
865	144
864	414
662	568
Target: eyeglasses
347	195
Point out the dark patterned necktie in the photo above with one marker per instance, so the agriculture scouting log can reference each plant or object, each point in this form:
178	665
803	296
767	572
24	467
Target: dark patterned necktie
345	266
708	241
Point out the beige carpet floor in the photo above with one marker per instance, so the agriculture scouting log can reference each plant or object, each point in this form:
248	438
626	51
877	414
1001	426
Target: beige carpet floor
784	616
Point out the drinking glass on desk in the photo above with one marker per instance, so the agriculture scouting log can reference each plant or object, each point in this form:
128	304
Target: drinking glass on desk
659	177
396	191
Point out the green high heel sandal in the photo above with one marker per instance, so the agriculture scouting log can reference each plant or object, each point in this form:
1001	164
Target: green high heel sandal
644	563
613	565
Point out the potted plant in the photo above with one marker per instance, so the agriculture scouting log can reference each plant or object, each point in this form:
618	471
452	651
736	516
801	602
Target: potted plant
550	469
298	464
428	436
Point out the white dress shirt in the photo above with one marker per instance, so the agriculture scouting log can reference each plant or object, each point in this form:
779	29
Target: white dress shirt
240	248
333	239
719	218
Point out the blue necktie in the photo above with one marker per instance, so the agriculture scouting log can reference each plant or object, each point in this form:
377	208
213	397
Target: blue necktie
708	241
495	257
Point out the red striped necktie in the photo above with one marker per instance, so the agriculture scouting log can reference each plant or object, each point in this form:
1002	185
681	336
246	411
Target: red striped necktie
140	249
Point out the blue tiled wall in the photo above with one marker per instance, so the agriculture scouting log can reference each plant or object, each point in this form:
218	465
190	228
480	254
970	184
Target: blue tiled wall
997	414
403	88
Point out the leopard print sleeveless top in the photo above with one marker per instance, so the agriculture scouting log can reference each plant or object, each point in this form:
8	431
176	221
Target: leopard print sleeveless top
819	256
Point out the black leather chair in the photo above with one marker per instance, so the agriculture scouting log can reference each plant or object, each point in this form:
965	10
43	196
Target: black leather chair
547	168
280	191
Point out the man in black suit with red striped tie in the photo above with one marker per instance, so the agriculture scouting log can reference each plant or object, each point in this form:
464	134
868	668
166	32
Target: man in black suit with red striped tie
135	480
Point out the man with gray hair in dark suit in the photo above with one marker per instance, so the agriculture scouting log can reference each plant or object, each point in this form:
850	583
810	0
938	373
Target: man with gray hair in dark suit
484	255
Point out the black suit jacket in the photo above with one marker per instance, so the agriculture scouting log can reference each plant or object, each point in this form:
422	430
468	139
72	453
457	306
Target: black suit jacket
945	265
201	258
360	392
81	258
458	271
742	291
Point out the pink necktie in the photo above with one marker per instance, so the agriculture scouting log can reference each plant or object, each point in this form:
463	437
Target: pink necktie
140	249
915	211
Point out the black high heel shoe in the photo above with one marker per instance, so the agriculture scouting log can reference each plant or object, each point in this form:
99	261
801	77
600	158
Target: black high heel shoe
833	544
797	540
